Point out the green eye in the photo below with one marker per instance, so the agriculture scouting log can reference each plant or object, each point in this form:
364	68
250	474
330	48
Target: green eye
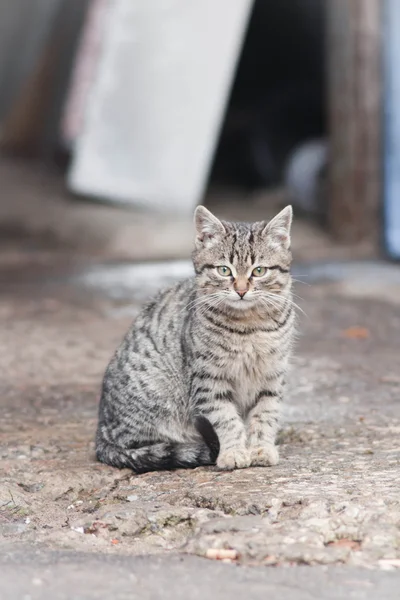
259	271
224	271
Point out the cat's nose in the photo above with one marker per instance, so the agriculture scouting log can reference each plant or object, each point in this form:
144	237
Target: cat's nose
241	293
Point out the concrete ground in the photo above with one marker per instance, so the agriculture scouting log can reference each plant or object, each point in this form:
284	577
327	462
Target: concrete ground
324	523
34	575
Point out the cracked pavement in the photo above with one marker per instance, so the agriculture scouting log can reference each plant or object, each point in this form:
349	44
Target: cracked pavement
329	512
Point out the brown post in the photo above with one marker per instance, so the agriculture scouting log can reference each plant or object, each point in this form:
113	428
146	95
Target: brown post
355	115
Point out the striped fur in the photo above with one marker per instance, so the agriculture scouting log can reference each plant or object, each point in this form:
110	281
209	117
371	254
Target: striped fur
199	377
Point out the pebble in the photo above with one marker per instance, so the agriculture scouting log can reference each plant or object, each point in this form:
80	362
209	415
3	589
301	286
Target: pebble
222	554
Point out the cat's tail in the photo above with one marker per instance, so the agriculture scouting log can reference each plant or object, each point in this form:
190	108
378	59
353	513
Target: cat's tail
164	455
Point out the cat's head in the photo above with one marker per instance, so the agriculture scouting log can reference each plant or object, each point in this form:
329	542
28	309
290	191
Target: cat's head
243	265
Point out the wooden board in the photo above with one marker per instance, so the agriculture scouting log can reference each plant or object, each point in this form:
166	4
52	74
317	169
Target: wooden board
355	115
157	103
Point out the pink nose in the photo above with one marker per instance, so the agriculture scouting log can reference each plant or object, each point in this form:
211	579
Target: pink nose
241	293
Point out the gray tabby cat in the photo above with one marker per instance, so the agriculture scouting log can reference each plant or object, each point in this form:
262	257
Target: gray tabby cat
199	377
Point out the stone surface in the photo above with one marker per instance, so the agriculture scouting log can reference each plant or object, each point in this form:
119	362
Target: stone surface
333	502
334	498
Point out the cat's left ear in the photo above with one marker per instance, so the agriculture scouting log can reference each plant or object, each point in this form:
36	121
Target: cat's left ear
278	229
208	227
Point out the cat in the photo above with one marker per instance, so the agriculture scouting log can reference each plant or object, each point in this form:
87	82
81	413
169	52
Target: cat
199	377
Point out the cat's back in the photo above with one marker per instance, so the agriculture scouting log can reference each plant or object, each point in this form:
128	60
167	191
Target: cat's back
159	323
168	308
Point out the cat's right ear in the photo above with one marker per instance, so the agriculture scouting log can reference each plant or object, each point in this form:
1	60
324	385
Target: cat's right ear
208	227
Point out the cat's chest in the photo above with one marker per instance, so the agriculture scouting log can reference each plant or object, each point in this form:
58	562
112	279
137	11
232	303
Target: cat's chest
255	357
253	367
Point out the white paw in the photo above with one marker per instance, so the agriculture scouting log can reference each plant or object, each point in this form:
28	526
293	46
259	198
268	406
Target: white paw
264	456
233	459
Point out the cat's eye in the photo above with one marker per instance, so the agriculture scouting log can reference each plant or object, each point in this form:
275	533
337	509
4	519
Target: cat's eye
224	271
259	271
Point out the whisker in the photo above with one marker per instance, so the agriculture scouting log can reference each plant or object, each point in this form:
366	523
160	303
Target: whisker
293	303
202	299
300	281
216	300
269	300
297	296
283	299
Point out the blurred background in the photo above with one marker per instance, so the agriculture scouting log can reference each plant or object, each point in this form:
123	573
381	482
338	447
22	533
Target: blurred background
117	117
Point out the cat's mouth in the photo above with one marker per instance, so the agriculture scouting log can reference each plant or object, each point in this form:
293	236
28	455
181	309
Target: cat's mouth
241	303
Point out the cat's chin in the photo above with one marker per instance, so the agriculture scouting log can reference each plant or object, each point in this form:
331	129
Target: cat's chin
240	305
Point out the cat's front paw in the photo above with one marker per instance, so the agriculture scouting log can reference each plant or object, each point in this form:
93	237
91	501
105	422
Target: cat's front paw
264	456
229	460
